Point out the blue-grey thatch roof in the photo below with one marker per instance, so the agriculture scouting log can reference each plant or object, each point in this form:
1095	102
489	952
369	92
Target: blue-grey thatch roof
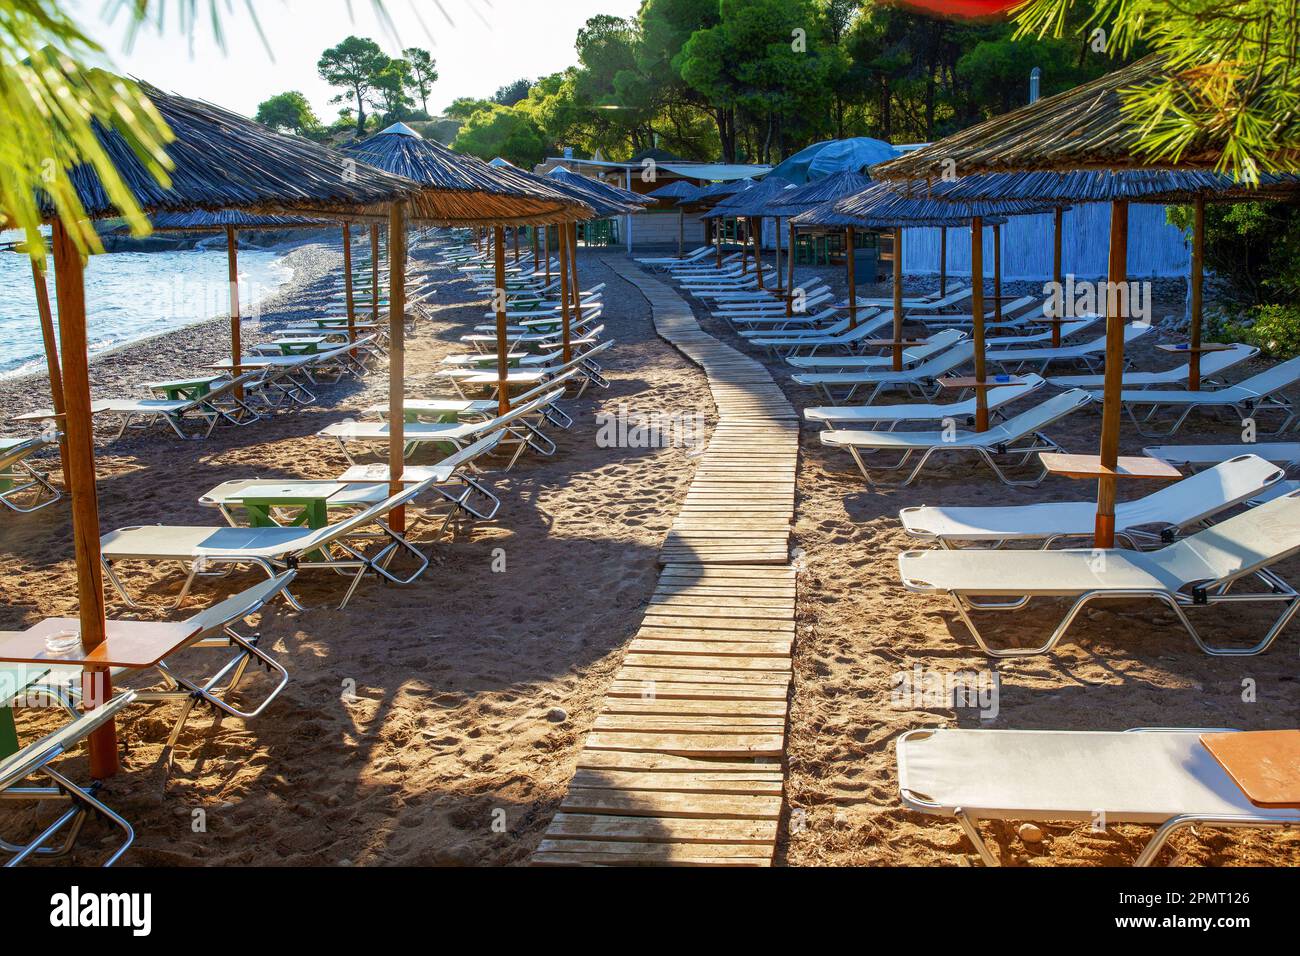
752	202
597	205
464	189
677	189
831	188
718	191
224	161
1137	185
604	190
202	221
880	207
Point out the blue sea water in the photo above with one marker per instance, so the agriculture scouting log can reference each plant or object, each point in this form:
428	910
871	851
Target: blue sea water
133	295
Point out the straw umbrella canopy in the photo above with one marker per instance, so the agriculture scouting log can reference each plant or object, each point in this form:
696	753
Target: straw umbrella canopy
709	196
613	194
792	202
752	204
463	190
1081	129
218	160
679	189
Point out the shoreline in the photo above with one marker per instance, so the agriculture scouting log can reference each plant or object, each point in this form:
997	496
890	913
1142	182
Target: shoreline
118	371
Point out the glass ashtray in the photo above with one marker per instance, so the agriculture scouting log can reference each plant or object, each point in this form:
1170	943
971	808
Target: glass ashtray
60	642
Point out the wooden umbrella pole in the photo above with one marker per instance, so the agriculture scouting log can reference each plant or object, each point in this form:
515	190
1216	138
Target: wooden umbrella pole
1198	280
943	261
47	336
997	272
348	292
1110	409
79	477
499	295
977	319
681	232
374	273
532	231
776	246
789	280
757	236
396	356
514	234
1057	217
546	251
577	287
898	298
232	272
852	280
717	239
564	288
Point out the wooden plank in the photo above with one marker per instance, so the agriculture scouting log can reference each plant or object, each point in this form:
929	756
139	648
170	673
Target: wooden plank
661	829
691	745
659	803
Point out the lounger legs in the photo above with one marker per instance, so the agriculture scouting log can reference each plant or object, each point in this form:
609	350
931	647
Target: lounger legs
1282	592
1040	444
24	478
84	802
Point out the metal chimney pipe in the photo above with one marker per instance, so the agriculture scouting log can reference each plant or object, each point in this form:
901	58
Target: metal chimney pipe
1034	76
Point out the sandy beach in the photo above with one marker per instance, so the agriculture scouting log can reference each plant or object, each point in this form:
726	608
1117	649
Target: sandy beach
440	723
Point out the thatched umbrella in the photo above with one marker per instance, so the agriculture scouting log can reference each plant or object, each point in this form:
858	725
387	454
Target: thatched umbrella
471	192
218	160
683	191
810	196
1081	129
752	204
709	196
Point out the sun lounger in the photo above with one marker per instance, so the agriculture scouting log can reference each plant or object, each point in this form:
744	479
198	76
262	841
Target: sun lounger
1204	569
472	409
1247	398
220	404
17	782
1038	360
584	365
1165	778
1285	454
215	629
695	255
520	427
912	355
889	417
453	479
1019	438
18	477
949	301
787	345
1212	365
921	380
1014	316
339	547
1143	522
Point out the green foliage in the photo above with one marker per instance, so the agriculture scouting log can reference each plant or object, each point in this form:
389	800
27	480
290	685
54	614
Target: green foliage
289	112
354	65
50	99
423	73
501	131
1235	75
1274	328
1252	248
512	93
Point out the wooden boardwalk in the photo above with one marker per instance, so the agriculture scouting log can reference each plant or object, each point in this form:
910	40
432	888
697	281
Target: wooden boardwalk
684	764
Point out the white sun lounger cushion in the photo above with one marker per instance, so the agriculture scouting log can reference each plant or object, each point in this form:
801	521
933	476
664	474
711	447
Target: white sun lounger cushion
1178	505
1137	777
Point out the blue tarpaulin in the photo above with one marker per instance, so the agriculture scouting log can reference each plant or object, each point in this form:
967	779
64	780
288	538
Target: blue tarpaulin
834	156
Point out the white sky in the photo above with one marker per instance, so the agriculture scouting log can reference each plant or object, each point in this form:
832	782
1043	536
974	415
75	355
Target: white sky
492	43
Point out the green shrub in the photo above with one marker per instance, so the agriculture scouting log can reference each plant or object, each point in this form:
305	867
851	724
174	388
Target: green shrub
1275	329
